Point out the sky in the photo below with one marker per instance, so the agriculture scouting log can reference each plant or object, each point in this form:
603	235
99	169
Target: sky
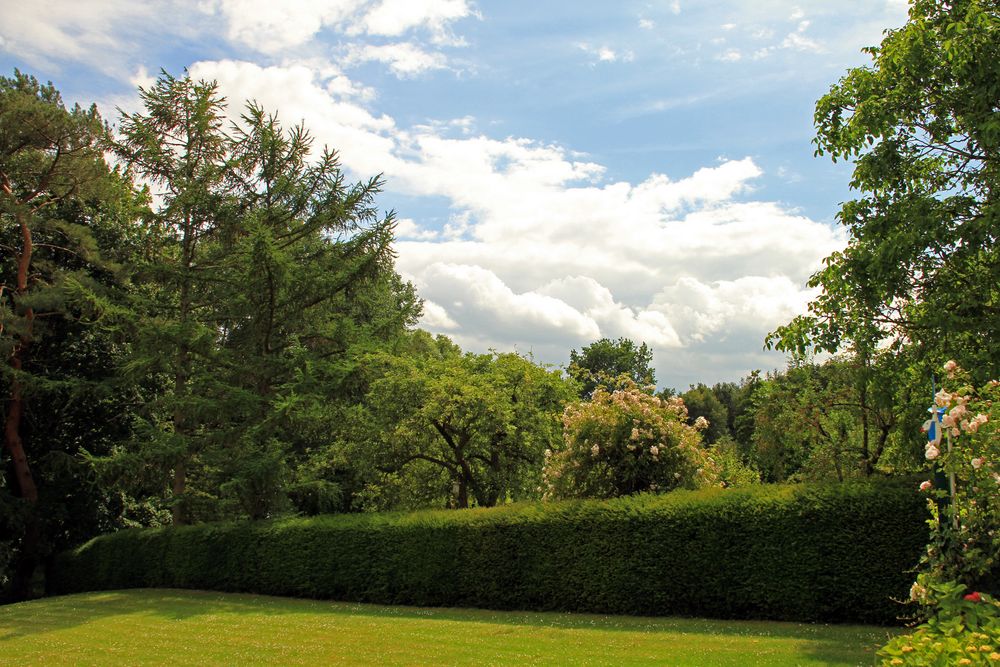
561	171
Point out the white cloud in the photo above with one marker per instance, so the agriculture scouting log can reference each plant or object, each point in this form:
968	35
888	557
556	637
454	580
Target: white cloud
647	24
675	7
475	295
436	318
728	307
405	59
70	31
300	93
393	18
799	42
606	54
406	228
273	27
730	56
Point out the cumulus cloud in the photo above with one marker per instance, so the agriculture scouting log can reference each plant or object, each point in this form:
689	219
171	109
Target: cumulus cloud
471	293
406	228
301	93
74	32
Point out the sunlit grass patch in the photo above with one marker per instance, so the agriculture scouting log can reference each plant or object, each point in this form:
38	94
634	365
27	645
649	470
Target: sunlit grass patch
191	627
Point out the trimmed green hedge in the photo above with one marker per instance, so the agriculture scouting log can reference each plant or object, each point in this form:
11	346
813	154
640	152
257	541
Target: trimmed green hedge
834	553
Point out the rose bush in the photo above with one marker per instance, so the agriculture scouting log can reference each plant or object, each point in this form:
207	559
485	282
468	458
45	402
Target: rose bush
965	542
625	441
964	548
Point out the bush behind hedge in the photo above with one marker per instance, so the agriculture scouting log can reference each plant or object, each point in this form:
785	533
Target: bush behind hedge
831	553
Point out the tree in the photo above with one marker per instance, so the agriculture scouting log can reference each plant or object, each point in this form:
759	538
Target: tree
602	362
179	146
813	421
626	441
270	268
472	427
702	402
61	211
922	264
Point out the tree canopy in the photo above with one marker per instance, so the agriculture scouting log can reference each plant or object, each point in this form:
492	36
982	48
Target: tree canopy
920	123
603	362
482	422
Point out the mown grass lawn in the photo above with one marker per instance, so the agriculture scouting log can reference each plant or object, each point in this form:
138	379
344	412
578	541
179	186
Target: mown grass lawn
196	628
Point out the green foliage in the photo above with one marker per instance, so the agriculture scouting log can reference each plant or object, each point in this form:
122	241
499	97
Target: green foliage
964	631
812	553
701	401
603	362
623	442
922	263
471	428
271	269
733	470
832	420
65	230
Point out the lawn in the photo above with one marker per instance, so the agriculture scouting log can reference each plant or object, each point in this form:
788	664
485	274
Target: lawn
191	627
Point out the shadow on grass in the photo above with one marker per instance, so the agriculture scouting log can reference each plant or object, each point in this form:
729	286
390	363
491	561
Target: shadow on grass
827	643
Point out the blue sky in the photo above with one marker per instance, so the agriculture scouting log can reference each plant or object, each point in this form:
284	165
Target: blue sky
562	171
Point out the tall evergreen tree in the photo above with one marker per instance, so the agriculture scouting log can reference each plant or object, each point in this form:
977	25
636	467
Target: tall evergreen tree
270	268
179	146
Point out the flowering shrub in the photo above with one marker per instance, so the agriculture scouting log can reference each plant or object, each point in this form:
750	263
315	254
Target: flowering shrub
964	548
965	631
965	543
626	441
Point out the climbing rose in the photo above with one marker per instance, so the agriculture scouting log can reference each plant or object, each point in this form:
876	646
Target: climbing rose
942	399
925	485
974	597
932	452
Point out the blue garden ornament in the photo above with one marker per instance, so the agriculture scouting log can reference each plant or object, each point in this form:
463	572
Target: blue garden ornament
933	426
935	430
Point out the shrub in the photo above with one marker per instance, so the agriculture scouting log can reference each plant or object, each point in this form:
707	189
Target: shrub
964	631
626	441
808	553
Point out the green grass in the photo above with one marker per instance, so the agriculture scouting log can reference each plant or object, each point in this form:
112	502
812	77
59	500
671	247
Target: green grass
196	628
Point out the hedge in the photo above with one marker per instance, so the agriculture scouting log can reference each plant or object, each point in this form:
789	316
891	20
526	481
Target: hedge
832	553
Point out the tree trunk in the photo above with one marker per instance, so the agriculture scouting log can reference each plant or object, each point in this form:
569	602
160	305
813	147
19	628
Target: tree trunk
177	514
15	406
866	459
12	439
28	553
462	499
29	556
